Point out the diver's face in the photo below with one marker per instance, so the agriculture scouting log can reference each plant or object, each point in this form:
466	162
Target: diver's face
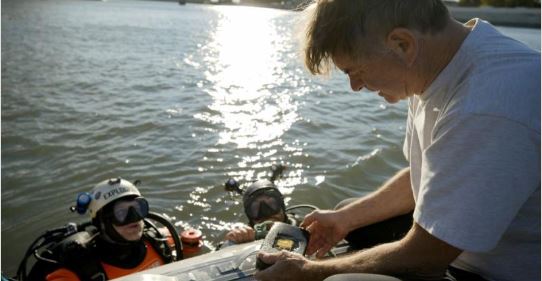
130	232
276	217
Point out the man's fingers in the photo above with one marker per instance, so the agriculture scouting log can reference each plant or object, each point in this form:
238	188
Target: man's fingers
308	220
310	251
271	258
265	275
312	247
323	251
315	243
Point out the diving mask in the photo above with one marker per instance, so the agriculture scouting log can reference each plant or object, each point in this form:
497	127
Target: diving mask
128	211
264	205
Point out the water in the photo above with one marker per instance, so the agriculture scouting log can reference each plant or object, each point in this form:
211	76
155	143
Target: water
182	98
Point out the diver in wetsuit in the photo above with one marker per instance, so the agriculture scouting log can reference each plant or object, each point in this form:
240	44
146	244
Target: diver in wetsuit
263	204
119	243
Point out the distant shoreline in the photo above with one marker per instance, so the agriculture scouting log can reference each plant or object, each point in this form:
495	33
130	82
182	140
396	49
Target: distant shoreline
516	17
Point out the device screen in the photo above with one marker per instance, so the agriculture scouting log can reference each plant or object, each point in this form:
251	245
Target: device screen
284	243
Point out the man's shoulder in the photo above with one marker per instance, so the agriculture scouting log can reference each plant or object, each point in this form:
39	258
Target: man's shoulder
487	39
512	94
494	59
490	74
501	82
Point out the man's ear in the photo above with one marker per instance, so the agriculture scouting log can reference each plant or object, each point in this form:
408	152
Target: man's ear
404	44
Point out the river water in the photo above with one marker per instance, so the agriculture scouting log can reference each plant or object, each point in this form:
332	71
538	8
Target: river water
182	98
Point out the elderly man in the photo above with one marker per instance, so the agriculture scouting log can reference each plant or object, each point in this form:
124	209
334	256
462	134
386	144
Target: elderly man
472	143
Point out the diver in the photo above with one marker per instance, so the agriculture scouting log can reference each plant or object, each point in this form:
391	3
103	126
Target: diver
119	240
263	204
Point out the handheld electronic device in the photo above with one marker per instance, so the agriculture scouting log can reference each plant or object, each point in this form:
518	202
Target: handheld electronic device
283	236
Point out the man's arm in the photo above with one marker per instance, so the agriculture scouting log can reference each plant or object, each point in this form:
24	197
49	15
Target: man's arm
418	254
329	227
394	198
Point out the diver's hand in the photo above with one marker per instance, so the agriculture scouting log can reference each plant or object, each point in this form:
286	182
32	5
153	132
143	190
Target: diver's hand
327	228
241	234
285	266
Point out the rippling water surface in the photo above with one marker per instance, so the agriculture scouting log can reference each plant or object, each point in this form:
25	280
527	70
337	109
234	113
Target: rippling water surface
182	98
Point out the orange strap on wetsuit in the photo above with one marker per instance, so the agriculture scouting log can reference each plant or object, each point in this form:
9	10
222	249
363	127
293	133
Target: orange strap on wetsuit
62	274
152	259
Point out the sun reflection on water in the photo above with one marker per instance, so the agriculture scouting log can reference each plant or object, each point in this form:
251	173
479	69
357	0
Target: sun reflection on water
247	42
251	112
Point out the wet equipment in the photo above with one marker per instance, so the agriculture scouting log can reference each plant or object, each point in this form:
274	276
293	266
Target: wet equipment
76	247
262	199
72	246
108	191
283	236
236	262
233	185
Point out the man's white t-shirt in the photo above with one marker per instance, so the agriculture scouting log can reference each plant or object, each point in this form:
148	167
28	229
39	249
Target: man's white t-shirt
473	143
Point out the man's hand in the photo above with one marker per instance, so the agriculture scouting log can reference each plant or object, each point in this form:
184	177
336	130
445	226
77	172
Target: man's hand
327	228
241	234
286	266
